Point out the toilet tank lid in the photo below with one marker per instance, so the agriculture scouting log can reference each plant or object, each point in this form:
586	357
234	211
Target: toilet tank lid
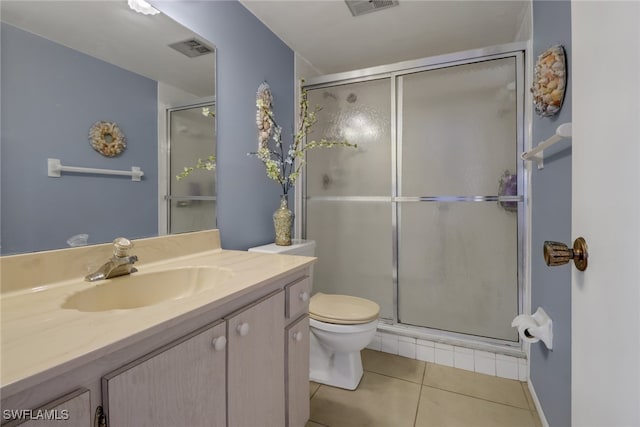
342	308
297	247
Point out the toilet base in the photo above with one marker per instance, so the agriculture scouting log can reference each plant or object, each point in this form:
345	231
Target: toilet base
343	370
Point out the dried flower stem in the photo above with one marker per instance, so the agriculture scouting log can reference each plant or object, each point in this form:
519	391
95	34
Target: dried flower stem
279	167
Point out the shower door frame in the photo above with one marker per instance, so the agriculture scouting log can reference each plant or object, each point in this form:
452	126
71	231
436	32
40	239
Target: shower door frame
393	72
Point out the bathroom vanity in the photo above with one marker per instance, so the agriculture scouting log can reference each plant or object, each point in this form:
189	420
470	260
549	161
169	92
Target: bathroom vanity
230	347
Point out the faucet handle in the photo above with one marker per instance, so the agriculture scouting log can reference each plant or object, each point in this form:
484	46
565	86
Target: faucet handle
121	247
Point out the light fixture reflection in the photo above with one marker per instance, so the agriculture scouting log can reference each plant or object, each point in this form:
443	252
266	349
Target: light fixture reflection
360	129
143	7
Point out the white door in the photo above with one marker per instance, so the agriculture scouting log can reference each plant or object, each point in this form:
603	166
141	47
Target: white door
606	211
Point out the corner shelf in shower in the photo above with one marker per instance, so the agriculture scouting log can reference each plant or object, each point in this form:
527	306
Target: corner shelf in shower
537	154
55	168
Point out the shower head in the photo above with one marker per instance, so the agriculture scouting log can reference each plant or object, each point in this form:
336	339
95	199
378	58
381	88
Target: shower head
329	95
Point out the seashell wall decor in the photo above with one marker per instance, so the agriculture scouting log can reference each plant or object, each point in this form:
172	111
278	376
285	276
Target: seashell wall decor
549	82
107	138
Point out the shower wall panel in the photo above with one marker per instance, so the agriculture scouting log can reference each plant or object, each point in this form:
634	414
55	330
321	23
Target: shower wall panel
359	113
353	246
458	261
353	234
458	268
458	129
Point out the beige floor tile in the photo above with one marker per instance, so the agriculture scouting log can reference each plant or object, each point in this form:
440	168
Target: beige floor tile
392	365
536	419
472	384
313	387
379	401
312	424
443	409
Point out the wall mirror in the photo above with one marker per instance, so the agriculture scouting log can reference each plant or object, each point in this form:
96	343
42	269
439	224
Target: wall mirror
67	65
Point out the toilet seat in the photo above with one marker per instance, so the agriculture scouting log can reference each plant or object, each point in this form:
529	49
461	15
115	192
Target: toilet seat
342	309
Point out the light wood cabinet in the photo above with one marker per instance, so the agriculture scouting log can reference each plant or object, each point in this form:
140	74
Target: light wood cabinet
179	384
256	364
244	364
297	385
190	383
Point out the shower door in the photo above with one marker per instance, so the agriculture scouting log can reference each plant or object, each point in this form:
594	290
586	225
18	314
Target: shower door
348	192
426	216
458	164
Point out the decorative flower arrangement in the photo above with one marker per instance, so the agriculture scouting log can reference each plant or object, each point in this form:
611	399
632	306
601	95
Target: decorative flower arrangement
280	167
208	163
107	139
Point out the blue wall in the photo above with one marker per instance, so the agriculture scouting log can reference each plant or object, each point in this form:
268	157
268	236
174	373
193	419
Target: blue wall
551	220
51	96
247	54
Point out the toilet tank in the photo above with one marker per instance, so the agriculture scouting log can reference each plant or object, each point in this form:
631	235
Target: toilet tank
298	247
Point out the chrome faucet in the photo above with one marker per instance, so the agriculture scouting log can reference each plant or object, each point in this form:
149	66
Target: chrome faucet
121	262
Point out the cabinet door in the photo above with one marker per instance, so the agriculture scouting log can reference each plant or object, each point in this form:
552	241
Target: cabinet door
297	387
182	384
256	365
71	410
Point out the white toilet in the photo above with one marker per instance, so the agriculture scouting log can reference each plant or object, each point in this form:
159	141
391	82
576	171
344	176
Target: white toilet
341	326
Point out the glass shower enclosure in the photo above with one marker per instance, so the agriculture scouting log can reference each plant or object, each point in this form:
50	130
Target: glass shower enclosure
426	217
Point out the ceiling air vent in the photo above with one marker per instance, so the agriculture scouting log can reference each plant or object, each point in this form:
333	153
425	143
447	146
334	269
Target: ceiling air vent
360	7
192	48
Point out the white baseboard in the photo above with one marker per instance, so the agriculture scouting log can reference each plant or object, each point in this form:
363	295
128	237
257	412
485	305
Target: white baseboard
536	401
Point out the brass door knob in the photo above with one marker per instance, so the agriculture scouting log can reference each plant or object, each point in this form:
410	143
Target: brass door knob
557	253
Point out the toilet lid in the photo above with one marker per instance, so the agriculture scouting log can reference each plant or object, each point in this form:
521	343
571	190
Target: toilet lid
342	309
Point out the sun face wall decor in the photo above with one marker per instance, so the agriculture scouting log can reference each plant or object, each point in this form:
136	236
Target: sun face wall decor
107	139
549	83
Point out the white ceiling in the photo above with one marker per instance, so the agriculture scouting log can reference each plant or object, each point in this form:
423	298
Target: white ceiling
110	31
326	34
322	31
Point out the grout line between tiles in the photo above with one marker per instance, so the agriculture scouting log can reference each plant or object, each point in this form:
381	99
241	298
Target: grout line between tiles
315	422
315	392
530	404
415	419
479	398
395	378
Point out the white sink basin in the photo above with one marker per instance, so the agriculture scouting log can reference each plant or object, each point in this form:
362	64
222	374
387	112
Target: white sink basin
143	289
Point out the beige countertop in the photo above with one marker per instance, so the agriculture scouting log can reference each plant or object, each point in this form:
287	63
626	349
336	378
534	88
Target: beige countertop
39	337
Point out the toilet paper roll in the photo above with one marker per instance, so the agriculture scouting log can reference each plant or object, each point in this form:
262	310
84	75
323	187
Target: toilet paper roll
526	325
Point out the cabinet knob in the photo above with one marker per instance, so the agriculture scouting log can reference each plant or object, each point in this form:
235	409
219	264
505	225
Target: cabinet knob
297	336
304	296
219	343
243	329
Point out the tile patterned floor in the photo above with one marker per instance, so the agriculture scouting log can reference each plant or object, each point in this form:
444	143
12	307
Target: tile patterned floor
400	392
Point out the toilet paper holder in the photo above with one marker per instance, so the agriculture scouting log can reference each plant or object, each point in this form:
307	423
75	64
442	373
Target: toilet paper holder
557	253
535	327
